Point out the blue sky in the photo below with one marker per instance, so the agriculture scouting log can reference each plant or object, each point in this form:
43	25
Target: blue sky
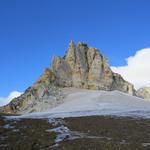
32	31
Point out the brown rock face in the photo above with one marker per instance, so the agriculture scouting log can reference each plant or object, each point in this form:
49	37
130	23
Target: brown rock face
85	67
41	96
81	67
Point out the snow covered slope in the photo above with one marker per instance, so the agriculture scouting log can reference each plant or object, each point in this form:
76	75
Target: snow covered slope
81	102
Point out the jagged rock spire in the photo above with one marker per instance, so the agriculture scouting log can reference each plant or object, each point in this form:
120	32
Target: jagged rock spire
70	56
85	67
82	67
71	44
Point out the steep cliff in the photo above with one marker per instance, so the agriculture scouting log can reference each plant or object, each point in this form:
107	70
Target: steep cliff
41	96
81	67
85	67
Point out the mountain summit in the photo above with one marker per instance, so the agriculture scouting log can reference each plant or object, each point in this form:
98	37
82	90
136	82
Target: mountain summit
81	67
85	67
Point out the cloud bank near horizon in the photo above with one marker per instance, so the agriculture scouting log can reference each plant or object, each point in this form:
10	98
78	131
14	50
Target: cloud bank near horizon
137	70
6	100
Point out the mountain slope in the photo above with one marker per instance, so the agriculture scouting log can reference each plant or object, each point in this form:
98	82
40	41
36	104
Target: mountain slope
83	102
144	93
81	67
42	95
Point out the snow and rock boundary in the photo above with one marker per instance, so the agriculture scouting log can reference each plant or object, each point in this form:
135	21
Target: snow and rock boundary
82	102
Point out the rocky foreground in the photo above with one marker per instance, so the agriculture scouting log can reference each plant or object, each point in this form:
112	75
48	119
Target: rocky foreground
82	133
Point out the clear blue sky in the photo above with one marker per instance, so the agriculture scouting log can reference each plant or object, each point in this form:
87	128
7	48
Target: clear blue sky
32	31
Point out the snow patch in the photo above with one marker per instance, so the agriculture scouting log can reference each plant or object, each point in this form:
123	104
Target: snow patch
64	133
93	102
145	144
7	126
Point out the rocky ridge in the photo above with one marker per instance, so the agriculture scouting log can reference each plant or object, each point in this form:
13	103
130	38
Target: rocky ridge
81	67
84	67
41	96
144	93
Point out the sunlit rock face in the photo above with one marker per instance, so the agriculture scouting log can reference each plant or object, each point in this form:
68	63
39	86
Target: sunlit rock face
81	67
85	67
42	95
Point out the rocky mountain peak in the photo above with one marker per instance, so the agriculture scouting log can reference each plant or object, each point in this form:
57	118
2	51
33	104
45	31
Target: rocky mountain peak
71	44
82	44
144	93
81	67
85	67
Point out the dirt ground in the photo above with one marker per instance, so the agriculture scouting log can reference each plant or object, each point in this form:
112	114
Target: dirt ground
100	133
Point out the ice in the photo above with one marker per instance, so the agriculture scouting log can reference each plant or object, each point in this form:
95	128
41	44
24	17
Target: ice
4	145
145	144
63	133
7	126
93	102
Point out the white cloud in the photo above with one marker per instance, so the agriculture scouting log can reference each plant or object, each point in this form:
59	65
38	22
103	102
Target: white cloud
6	100
137	70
